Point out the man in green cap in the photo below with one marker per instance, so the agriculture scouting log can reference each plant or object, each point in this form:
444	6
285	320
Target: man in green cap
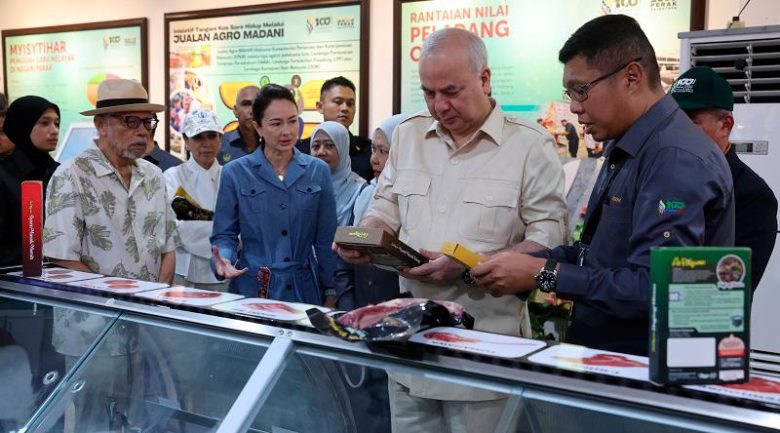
708	100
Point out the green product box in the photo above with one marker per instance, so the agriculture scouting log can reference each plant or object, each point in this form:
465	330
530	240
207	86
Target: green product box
700	318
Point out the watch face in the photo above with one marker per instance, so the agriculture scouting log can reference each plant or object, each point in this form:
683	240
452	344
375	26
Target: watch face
546	280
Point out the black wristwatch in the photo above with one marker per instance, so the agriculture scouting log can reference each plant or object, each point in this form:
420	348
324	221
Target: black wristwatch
547	278
468	279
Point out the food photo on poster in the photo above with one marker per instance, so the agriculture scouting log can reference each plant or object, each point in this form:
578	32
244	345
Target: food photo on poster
211	57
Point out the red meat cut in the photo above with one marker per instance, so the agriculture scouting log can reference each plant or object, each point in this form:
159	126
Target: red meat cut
191	295
371	314
273	307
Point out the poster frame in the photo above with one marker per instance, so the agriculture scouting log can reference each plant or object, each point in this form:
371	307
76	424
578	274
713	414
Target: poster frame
143	23
697	20
363	85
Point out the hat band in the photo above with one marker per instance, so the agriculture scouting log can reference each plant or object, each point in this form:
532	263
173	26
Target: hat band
121	101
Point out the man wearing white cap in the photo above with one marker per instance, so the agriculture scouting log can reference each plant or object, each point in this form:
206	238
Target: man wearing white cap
197	182
107	211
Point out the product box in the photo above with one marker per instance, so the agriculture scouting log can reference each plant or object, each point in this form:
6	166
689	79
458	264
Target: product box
699	329
460	254
32	228
385	249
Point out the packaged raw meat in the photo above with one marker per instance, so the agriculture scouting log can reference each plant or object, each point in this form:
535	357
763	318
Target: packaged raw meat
394	320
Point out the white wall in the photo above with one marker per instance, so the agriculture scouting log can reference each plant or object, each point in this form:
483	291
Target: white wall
15	14
757	13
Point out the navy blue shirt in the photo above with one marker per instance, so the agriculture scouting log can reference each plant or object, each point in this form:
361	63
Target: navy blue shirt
671	187
232	147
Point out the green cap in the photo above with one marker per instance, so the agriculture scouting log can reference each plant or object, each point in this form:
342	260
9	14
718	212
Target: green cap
701	87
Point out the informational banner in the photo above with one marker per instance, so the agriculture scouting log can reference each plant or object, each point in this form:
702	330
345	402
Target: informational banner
66	64
213	54
523	38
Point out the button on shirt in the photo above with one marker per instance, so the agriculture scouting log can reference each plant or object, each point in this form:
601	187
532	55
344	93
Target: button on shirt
506	187
670	186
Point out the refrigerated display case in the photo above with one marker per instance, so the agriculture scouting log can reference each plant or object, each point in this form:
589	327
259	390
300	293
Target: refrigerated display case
73	360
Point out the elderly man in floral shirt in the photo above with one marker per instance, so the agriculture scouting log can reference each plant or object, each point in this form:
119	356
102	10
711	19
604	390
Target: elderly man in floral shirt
107	212
111	199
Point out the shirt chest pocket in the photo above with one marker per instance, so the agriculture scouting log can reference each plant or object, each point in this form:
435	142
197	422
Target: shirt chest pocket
614	229
489	212
308	196
413	191
253	199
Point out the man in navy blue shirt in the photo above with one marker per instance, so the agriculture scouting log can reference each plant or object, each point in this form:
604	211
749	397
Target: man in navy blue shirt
242	140
663	184
708	100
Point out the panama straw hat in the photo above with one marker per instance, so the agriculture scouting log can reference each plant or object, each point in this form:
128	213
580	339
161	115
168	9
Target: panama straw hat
120	96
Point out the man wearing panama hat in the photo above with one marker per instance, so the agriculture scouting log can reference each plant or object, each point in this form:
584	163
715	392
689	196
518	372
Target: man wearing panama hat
107	209
708	100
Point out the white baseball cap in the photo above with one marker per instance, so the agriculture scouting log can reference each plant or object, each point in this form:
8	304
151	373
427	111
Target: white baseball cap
198	121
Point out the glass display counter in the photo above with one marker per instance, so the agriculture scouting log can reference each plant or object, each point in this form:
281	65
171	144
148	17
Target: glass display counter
75	361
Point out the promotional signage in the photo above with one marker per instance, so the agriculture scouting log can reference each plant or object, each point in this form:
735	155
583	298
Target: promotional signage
213	54
65	64
523	38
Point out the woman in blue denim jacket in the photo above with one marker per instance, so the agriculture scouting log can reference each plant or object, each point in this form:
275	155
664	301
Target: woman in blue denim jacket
280	204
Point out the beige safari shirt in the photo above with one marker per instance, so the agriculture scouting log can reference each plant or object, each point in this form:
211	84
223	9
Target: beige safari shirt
502	187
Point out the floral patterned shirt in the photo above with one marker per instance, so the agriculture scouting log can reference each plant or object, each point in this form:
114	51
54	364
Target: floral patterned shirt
91	216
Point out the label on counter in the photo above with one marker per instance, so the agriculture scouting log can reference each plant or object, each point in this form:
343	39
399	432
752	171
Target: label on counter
119	285
269	309
189	296
701	303
480	343
582	359
60	275
765	389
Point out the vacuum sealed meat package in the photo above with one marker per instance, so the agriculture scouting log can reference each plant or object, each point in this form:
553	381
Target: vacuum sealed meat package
394	320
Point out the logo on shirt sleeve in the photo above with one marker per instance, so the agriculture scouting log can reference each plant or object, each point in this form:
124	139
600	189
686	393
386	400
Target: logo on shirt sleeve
669	207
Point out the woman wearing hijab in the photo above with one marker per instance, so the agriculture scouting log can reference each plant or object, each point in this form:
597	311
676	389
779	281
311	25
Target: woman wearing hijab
330	143
32	124
380	151
358	286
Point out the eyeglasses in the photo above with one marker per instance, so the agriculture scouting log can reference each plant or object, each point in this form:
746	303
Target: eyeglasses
133	122
580	93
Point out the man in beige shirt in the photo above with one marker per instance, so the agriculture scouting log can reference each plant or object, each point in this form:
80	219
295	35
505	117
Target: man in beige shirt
466	173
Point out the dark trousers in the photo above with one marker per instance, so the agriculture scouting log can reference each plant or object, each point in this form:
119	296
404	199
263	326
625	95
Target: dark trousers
574	145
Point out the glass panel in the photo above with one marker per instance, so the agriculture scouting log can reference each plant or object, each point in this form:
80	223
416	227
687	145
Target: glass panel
147	377
549	417
324	396
34	341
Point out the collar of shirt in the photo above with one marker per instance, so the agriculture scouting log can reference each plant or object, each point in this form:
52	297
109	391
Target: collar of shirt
103	167
637	134
296	168
493	127
194	167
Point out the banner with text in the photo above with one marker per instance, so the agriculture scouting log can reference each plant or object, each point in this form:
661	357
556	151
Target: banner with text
211	58
523	38
67	67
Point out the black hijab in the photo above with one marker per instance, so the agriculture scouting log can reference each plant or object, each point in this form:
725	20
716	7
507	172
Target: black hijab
20	119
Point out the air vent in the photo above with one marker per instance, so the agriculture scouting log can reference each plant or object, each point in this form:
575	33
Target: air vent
752	67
